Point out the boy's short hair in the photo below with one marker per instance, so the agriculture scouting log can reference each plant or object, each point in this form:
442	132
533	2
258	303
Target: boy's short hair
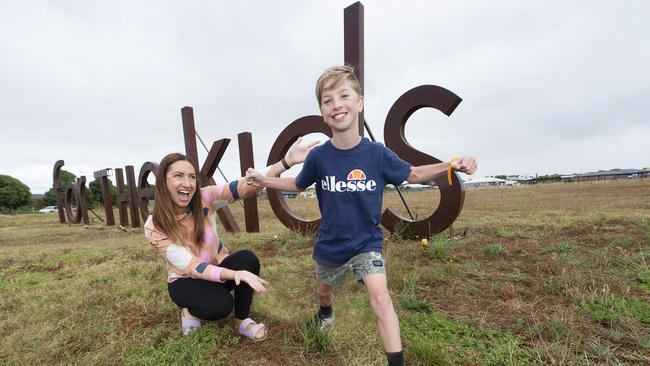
331	78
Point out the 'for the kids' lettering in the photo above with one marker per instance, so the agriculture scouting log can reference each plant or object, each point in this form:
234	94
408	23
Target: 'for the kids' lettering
137	198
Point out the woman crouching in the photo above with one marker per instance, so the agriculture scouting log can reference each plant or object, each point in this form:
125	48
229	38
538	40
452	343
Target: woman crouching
201	271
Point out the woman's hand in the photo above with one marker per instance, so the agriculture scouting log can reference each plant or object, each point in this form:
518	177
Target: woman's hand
251	279
253	177
298	153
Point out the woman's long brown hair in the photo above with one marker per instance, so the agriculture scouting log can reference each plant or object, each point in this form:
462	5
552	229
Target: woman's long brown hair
164	216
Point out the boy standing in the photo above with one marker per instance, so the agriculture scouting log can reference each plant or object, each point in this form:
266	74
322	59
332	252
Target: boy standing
350	173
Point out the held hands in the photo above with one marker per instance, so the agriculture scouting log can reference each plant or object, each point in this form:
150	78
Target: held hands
465	164
298	153
251	279
253	177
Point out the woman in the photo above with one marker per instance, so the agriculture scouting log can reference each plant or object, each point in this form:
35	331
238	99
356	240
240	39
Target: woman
201	271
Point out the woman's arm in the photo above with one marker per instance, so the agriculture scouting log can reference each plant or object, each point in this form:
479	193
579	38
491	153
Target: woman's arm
185	263
238	189
254	281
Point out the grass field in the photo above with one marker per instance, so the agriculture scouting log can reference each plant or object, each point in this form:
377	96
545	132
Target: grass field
547	274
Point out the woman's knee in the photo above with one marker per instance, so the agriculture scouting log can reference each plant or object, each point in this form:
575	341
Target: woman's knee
219	308
250	260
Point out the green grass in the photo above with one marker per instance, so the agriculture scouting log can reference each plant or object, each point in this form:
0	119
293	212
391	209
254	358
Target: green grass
624	241
196	349
606	310
315	340
560	248
456	342
494	249
415	304
553	274
643	280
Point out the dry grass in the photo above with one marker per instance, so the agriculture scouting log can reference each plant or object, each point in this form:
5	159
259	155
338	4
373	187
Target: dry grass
549	274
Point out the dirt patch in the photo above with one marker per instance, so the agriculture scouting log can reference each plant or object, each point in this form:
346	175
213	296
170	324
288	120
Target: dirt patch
134	318
604	233
282	347
530	291
268	250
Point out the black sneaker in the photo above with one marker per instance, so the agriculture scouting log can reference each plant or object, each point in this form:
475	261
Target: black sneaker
323	320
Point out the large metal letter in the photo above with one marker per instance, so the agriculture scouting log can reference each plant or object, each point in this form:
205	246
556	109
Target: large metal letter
288	136
187	114
353	46
246	161
146	191
451	198
106	195
77	188
123	197
56	185
133	194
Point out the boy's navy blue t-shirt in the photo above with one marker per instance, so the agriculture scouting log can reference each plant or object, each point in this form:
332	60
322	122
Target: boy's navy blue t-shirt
349	186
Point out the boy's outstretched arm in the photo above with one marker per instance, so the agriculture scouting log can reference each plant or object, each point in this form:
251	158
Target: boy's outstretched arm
297	154
255	178
427	173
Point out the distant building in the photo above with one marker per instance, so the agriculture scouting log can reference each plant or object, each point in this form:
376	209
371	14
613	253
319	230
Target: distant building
485	182
290	195
644	173
522	179
308	193
415	187
613	174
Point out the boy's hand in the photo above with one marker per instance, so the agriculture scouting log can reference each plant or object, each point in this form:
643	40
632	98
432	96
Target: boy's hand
298	153
254	178
466	164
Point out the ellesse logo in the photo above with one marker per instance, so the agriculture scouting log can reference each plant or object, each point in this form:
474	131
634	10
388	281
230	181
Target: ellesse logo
356	174
356	182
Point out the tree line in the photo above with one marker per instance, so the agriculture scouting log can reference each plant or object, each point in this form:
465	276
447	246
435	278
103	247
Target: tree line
15	196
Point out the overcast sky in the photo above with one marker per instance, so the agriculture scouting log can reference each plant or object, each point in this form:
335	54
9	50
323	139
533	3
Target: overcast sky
547	86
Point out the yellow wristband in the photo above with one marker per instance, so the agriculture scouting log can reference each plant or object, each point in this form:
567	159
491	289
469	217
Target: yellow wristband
449	169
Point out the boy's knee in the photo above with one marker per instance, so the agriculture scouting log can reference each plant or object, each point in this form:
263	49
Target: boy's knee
324	290
381	303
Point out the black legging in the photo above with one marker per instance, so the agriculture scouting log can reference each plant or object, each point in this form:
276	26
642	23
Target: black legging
212	300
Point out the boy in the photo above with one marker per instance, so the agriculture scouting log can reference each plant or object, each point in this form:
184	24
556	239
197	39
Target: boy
350	173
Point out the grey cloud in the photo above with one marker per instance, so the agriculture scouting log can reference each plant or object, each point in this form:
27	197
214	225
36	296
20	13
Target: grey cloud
107	79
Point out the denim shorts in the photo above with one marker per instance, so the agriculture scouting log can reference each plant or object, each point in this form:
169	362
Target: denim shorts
361	265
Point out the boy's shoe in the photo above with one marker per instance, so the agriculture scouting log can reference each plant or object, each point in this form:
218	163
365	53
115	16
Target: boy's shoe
322	320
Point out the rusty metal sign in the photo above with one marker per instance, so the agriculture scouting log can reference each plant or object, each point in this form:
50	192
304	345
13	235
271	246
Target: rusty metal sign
451	197
300	127
136	197
106	197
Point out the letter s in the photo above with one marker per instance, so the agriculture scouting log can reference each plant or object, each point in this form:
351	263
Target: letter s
451	198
